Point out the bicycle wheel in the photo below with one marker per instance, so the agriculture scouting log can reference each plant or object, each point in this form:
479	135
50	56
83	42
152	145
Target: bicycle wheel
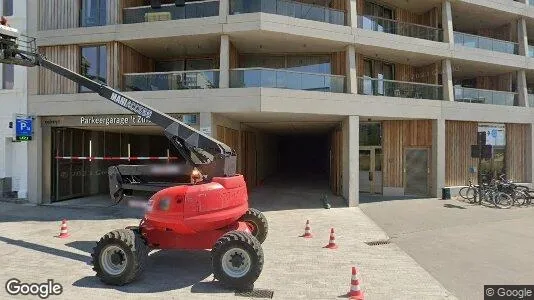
468	193
520	198
503	200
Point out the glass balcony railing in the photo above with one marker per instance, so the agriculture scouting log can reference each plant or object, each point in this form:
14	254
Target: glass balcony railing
402	89
93	17
400	28
531	99
180	80
470	95
170	12
475	41
531	49
286	79
289	8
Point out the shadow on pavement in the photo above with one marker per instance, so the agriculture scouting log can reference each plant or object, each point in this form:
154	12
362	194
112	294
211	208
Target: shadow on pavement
368	198
211	287
47	250
85	246
453	206
166	271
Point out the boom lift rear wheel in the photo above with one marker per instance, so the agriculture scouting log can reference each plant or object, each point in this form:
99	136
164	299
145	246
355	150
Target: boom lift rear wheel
257	223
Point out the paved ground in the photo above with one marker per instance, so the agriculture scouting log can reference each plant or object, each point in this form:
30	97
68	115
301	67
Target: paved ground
463	246
295	268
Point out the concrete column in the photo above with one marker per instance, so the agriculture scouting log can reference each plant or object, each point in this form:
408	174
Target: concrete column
352	80
224	76
351	163
352	14
446	20
448	87
206	124
35	165
522	88
522	37
224	10
438	157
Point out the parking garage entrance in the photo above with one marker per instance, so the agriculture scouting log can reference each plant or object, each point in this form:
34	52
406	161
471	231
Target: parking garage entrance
81	155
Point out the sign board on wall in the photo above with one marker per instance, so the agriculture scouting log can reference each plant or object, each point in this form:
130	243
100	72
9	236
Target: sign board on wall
110	120
23	128
495	133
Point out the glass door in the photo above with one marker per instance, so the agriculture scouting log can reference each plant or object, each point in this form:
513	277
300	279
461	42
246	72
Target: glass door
370	176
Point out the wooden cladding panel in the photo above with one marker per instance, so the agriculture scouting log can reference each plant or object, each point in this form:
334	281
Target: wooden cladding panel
228	136
459	138
428	74
338	4
58	14
499	83
404	72
339	65
430	18
517	152
248	151
130	61
52	83
398	135
336	161
502	33
234	57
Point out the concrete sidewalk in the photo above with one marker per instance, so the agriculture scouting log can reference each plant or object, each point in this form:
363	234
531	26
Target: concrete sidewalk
295	268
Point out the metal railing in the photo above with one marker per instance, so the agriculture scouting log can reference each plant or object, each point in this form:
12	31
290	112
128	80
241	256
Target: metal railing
476	41
167	12
177	80
400	28
531	99
93	17
286	79
401	89
470	95
289	8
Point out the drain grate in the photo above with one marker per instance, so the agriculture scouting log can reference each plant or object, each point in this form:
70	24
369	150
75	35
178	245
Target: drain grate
378	243
256	293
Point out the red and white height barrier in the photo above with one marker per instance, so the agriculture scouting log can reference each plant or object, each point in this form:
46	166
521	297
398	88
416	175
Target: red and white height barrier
117	158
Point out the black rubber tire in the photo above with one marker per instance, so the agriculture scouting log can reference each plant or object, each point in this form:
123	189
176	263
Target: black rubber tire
258	221
247	242
135	248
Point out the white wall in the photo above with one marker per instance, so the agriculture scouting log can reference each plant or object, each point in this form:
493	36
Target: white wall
14	156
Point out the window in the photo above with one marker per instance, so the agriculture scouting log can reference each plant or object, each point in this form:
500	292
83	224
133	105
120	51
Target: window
7	8
93	13
94	64
8	76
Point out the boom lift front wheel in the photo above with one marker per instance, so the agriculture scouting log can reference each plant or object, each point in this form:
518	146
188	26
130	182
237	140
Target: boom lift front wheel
120	256
237	260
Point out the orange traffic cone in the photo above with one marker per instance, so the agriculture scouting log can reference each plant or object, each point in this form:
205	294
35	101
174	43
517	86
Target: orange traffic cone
307	231
64	233
355	293
332	242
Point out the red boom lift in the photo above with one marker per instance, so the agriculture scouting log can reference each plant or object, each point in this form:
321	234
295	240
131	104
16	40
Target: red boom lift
209	211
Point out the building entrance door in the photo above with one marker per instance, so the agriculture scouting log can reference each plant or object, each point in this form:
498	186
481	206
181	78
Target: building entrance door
371	170
416	171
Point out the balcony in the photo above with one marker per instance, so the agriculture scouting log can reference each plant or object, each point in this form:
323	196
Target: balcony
180	80
470	95
289	8
531	99
168	12
286	79
400	28
401	89
475	41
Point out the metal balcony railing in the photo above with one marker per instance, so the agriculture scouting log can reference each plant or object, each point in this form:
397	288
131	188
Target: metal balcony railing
286	79
177	80
93	17
168	12
289	8
401	89
400	28
470	95
475	41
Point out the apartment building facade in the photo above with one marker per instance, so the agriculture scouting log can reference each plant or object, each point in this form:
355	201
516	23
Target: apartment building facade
13	99
384	97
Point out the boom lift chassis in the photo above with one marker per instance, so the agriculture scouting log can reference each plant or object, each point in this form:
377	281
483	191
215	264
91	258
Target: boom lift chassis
209	211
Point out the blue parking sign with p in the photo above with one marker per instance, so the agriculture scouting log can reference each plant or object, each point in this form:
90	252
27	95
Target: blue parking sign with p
23	128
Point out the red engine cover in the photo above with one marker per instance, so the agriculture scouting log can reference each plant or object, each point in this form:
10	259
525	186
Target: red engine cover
191	209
